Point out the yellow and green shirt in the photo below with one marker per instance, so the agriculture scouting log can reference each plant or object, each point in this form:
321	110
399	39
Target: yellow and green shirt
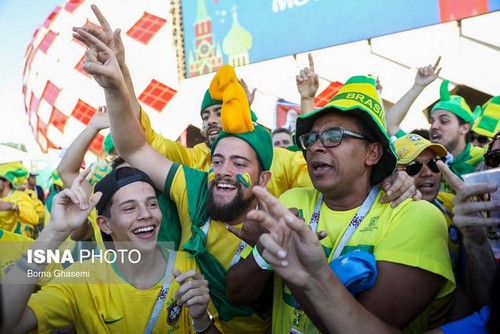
217	243
104	302
412	234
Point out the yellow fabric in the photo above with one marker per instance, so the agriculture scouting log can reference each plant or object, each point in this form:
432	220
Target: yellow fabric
37	204
106	303
12	247
220	243
224	77
453	233
289	169
413	234
15	172
23	222
235	112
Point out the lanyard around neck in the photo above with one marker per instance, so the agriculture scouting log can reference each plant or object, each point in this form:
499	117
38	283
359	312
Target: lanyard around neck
237	253
162	295
355	221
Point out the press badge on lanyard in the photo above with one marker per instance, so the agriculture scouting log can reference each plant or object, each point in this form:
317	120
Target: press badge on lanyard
298	322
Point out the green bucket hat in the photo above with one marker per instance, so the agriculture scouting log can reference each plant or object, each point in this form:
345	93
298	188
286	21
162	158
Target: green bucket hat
454	104
488	124
358	97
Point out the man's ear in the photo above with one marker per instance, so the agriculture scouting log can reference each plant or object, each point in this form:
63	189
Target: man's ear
374	152
464	129
103	224
264	178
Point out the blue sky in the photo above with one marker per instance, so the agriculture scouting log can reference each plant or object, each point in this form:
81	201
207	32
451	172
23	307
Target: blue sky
18	21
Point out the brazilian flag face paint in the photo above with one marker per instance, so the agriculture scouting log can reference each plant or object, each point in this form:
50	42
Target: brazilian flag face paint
211	175
244	180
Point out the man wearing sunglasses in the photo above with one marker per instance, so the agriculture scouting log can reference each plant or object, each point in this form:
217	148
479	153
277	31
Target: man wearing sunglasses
492	156
451	119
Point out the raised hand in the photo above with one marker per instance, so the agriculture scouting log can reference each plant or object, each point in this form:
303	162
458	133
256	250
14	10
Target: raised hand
71	206
250	94
106	35
307	80
427	74
100	61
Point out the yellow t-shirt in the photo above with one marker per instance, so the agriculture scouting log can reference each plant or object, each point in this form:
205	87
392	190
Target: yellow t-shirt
104	302
23	222
413	234
39	206
222	244
446	199
12	247
289	169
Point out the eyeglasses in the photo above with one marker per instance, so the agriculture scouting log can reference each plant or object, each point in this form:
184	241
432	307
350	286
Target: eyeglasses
492	158
414	167
480	139
329	138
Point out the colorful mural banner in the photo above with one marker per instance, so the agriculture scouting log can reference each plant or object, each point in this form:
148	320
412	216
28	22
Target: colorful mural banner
241	32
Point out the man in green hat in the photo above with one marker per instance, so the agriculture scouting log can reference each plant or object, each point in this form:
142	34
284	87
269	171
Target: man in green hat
451	120
207	202
348	151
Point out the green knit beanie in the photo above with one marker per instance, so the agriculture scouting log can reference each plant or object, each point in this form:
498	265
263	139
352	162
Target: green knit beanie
208	102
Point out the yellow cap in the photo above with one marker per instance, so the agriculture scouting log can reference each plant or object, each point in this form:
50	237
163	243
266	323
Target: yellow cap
410	146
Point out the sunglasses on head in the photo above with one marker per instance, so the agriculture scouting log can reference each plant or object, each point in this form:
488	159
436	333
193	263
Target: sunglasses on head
328	138
492	158
414	167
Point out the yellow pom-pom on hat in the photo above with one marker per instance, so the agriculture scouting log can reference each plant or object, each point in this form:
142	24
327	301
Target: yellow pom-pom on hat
235	113
236	117
224	77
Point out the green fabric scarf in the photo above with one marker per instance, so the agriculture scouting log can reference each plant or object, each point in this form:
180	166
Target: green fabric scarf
210	267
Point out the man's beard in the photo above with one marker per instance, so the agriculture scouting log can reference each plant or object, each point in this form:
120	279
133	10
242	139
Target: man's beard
229	211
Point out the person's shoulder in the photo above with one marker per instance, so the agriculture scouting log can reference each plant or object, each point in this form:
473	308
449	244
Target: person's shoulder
445	197
300	194
420	208
202	147
21	194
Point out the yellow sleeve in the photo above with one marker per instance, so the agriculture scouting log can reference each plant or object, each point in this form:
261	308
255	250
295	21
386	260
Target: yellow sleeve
289	170
197	157
27	213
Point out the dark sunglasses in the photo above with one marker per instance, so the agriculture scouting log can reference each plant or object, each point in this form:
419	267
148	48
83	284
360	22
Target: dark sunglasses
480	139
492	158
328	138
414	167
